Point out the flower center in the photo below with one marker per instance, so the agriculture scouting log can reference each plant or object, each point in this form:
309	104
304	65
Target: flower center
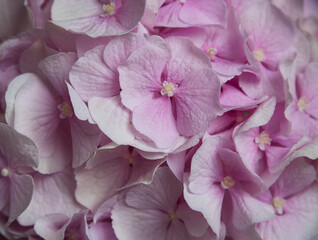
109	9
278	204
259	55
262	140
227	182
211	52
130	160
302	104
4	172
168	88
182	1
173	216
71	235
66	110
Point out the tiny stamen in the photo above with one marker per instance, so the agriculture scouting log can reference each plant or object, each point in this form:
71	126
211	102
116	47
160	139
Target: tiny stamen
109	9
168	88
259	55
278	204
66	110
302	104
227	182
262	140
4	172
211	52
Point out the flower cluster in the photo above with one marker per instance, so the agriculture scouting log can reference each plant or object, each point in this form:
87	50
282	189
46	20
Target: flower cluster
159	119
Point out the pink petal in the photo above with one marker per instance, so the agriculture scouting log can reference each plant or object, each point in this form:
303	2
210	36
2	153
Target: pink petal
52	138
91	77
19	149
162	193
233	97
79	107
194	221
74	9
130	223
168	15
85	139
266	28
37	116
102	231
296	177
208	12
198	85
140	75
52	194
120	48
99	183
21	191
155	120
63	62
299	220
208	203
247	210
51	226
113	119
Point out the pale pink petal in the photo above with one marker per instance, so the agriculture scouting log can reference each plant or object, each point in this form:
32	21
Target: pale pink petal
113	119
176	163
21	191
168	15
102	231
208	203
120	48
79	106
140	75
207	12
13	89
37	116
227	69
56	68
197	86
52	194
155	120
30	58
206	167
143	171
39	110
298	221
130	223
296	177
85	43
194	221
177	230
99	183
51	226
19	150
162	193
270	30
92	22
74	9
90	76
247	210
65	41
85	139
232	97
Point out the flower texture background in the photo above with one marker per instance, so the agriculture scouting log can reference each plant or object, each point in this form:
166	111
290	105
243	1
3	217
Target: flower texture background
159	119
